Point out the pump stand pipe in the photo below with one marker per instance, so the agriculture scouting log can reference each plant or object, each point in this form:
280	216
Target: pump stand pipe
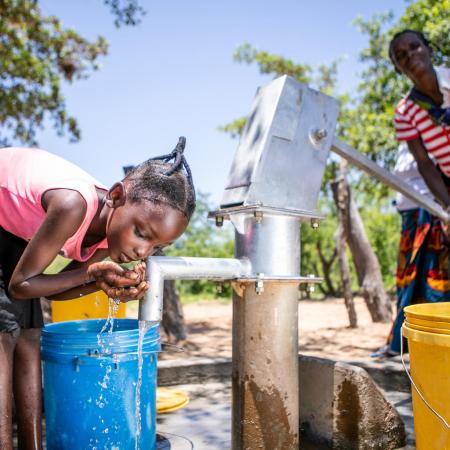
361	161
161	268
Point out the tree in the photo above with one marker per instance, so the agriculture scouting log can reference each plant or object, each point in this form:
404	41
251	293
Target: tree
341	198
200	239
368	125
36	54
203	239
366	119
324	79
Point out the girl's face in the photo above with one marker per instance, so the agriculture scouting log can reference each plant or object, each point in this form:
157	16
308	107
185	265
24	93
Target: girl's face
411	56
137	230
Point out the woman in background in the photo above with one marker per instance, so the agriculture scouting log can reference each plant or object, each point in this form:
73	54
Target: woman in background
422	269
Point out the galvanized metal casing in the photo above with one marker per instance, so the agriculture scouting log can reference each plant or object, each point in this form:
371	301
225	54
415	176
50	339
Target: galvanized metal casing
272	244
277	163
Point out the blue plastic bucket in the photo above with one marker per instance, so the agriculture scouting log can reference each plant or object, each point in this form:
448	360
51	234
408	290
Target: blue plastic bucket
90	386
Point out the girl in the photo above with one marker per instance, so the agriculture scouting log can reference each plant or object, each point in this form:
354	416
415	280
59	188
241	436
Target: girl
49	206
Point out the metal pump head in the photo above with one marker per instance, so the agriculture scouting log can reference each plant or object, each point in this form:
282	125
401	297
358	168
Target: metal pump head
284	147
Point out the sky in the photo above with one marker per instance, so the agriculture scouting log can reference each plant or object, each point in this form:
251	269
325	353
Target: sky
174	75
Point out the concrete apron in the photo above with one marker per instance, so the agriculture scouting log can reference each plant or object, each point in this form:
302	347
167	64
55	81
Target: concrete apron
341	407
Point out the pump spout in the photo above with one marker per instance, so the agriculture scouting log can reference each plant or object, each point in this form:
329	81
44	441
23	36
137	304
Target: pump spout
160	268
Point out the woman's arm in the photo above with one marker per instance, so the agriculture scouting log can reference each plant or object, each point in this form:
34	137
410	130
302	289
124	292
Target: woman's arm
429	172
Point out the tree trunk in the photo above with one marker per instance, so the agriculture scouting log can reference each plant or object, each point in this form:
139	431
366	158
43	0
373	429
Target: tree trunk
326	269
345	276
366	262
173	318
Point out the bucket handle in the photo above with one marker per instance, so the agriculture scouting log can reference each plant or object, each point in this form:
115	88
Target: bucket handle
444	422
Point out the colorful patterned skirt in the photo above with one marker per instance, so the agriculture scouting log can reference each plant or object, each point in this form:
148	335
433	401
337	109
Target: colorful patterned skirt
422	271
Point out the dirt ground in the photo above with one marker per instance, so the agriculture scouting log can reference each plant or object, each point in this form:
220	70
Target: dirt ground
323	330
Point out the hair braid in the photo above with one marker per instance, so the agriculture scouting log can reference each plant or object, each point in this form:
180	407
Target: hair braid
158	181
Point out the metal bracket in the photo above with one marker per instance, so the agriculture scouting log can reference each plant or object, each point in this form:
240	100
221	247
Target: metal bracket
219	287
280	279
259	210
238	287
315	224
259	284
310	286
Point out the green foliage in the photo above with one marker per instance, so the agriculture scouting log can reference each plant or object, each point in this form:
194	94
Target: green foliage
323	78
57	265
127	12
234	129
325	237
383	230
368	126
36	54
203	239
272	64
365	122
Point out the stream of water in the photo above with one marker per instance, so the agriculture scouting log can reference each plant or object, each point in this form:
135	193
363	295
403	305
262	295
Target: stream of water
103	343
144	326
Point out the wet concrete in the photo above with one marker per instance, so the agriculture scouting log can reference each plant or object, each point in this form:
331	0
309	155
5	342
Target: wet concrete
206	420
205	424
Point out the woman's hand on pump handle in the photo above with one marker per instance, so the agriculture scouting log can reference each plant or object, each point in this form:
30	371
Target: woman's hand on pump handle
118	282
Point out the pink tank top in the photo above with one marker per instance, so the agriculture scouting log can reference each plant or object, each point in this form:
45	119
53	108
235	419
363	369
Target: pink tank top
25	175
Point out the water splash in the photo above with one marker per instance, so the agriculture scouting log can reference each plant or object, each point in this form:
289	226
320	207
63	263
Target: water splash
104	343
113	307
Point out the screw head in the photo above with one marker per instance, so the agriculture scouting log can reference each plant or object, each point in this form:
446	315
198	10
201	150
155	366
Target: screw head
317	135
259	287
258	216
219	221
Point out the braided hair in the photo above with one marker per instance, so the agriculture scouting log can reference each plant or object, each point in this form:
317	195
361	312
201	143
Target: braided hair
398	35
159	181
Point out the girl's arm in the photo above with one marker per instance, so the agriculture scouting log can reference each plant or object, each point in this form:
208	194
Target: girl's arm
85	289
65	211
429	172
114	280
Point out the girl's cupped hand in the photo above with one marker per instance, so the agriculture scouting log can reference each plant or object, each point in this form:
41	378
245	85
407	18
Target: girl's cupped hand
118	282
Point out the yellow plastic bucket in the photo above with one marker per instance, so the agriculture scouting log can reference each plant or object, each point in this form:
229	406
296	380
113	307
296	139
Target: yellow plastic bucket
427	329
433	312
430	376
92	306
412	322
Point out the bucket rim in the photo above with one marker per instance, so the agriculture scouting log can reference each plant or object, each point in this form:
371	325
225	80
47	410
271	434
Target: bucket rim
427	323
78	338
433	330
424	337
54	328
439	312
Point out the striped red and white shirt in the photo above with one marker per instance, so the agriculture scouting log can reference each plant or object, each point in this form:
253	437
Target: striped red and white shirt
413	122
